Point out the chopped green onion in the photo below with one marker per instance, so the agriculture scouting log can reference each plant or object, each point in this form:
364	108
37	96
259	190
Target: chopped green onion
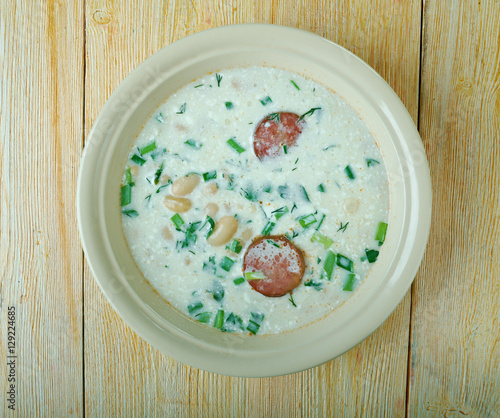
219	319
294	84
273	243
234	322
267	189
254	275
274	117
371	161
342	227
320	222
160	118
182	109
321	188
344	262
381	231
159	189
158	173
349	173
266	100
178	221
291	300
211	225
226	263
131	213
148	197
203	317
316	285
229	105
194	307
199	85
237	147
325	241
193	143
218	292
218	77
349	283
138	160
329	264
304	193
210	175
126	197
238	281
128	176
250	194
308	113
268	228
210	265
307	220
278	213
235	246
284	192
255	322
148	148
285	149
371	255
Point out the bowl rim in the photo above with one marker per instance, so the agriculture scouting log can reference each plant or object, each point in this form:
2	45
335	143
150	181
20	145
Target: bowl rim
145	323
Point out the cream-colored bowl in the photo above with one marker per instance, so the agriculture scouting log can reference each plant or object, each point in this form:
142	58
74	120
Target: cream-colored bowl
106	153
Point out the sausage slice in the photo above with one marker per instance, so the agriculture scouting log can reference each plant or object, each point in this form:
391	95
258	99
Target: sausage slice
281	262
274	131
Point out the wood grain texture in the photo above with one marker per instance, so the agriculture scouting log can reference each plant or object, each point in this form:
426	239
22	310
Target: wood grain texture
123	374
41	51
455	350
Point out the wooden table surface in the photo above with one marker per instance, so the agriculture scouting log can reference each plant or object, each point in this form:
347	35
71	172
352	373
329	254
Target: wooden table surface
438	354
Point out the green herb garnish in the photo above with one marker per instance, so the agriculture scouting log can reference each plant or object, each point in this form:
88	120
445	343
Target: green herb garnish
344	262
193	143
321	188
274	244
284	192
226	263
349	173
342	227
349	283
250	194
218	77
266	100
211	224
131	213
268	228
218	292
291	300
316	285
210	175
182	109
128	176
219	319
320	222
307	220
160	118
370	162
381	231
329	264
203	317
229	105
148	148
237	147
255	322
238	281
126	195
235	246
274	117
278	213
325	241
254	275
158	173
304	193
178	221
371	255
194	307
138	160
294	84
308	113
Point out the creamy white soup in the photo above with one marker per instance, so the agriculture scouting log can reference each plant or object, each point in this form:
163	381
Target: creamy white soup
255	200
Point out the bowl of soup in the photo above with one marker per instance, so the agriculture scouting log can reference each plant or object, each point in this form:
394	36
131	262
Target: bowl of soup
254	200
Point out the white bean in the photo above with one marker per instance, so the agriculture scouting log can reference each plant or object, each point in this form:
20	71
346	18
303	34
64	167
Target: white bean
177	204
211	188
351	205
211	209
223	231
185	184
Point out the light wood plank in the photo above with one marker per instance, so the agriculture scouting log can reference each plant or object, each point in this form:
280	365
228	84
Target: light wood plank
455	350
41	55
125	375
